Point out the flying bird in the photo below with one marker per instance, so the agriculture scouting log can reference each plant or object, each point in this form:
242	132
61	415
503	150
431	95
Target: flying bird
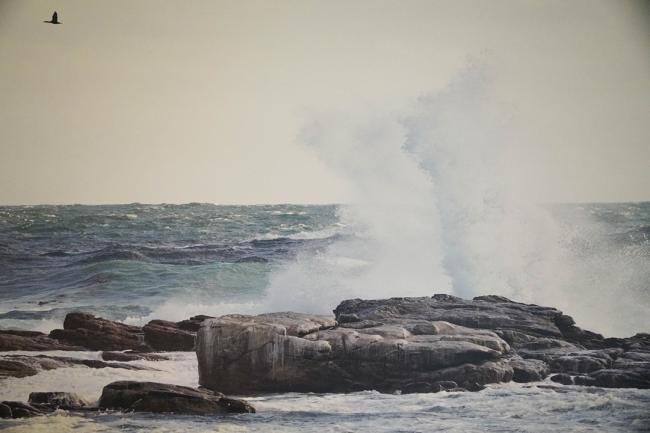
54	20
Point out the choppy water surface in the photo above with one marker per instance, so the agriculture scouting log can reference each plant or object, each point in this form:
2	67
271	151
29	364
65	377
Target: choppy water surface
137	262
511	407
123	261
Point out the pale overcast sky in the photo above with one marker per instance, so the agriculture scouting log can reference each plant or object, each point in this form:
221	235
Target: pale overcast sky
179	101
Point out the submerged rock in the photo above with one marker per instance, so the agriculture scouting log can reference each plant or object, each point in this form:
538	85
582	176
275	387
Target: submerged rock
129	356
62	400
165	398
410	345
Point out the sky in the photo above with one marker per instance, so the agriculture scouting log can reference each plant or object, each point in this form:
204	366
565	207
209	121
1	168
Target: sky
168	101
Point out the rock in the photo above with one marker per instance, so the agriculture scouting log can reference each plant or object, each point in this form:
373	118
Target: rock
193	323
168	336
417	387
632	359
13	368
472	377
581	362
132	356
63	400
161	398
426	387
529	370
615	378
95	333
564	379
5	411
284	352
409	344
24	365
494	313
22	410
30	341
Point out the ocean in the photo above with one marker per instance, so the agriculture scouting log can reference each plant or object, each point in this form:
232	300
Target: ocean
138	262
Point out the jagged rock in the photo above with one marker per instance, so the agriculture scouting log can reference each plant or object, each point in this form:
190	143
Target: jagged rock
30	341
168	336
297	352
529	370
132	356
63	400
95	333
160	398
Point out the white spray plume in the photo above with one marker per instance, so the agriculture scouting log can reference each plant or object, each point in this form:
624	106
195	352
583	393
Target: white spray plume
440	205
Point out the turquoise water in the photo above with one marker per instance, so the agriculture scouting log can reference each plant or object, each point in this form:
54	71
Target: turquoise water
122	261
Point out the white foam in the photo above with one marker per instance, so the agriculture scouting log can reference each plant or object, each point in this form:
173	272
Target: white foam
181	369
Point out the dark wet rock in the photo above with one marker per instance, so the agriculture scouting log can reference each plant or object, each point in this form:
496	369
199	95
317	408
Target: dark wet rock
62	400
95	333
26	365
129	356
22	410
13	368
193	323
164	398
473	376
495	313
21	333
426	387
5	411
30	341
417	387
529	370
581	362
615	378
632	359
409	344
168	336
564	379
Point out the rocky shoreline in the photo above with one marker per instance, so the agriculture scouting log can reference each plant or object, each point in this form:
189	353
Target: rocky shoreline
397	345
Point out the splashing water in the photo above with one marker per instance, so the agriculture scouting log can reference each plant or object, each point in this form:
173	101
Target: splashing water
440	205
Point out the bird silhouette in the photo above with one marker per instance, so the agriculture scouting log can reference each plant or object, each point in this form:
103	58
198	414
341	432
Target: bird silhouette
54	20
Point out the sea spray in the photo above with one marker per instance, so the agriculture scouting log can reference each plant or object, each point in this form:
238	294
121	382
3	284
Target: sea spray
440	205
